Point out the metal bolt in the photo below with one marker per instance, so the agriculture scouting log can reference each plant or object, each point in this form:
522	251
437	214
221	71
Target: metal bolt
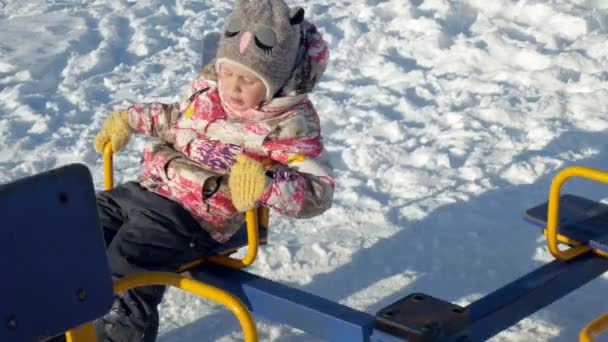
192	244
417	297
388	313
458	310
427	328
81	294
11	322
63	197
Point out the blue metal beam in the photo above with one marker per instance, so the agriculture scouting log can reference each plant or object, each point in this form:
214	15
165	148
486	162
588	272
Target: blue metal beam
332	321
521	298
293	307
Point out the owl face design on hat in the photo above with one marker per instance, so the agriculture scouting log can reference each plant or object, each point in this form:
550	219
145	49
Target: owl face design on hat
263	36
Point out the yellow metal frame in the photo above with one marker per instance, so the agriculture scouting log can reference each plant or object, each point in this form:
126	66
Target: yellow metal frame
596	327
83	333
196	287
553	210
253	217
86	332
108	167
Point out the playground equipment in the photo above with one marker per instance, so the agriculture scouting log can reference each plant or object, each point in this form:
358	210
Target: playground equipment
58	277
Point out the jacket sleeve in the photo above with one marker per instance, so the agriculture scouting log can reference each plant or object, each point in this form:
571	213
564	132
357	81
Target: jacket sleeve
165	165
213	155
157	119
154	119
302	183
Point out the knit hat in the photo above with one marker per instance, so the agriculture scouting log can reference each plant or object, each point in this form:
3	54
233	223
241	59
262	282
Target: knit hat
264	37
310	64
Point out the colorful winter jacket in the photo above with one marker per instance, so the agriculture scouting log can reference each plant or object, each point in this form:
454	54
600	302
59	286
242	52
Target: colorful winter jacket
199	138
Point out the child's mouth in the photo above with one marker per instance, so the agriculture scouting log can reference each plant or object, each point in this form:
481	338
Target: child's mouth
236	101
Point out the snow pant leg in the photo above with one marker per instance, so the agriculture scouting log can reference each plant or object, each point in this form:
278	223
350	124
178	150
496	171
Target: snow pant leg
157	235
111	215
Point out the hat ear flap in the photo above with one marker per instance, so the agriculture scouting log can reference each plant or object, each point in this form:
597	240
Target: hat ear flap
296	16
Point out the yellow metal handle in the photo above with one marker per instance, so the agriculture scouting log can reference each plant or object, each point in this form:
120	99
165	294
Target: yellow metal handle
553	210
83	333
108	167
254	218
596	327
252	245
251	217
196	287
86	332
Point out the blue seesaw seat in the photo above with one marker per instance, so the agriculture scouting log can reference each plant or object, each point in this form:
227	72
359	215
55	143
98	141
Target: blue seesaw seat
51	242
580	219
53	249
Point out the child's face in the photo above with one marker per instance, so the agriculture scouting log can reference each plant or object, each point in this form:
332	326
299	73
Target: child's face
240	88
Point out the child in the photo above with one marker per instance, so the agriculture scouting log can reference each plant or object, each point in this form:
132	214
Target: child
250	137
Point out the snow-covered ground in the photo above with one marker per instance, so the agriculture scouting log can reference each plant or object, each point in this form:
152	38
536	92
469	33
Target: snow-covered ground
444	121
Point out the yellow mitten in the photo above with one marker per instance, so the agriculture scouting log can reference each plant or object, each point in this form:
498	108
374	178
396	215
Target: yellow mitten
116	129
247	182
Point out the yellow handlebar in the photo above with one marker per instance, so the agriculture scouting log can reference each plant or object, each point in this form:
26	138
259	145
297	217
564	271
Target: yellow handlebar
553	210
252	245
253	218
196	287
86	331
596	327
108	167
82	333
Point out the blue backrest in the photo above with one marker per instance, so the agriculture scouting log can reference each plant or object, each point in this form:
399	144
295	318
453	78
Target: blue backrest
55	271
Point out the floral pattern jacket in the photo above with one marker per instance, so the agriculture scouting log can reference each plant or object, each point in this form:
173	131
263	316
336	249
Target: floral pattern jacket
198	139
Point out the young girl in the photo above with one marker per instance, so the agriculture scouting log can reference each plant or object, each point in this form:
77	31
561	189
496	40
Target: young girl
248	137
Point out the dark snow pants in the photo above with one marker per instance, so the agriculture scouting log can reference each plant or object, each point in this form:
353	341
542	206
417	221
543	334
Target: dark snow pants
144	232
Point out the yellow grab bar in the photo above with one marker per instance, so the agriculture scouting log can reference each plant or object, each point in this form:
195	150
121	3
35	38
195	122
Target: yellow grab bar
82	333
86	332
553	210
596	327
251	217
252	245
108	167
196	287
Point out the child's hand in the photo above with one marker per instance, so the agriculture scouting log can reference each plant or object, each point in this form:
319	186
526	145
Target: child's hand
247	182
116	129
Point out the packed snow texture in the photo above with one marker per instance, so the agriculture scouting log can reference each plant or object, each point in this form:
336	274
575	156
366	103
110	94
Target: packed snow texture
444	121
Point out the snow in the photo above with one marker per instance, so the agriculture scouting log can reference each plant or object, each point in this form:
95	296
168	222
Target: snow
444	119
